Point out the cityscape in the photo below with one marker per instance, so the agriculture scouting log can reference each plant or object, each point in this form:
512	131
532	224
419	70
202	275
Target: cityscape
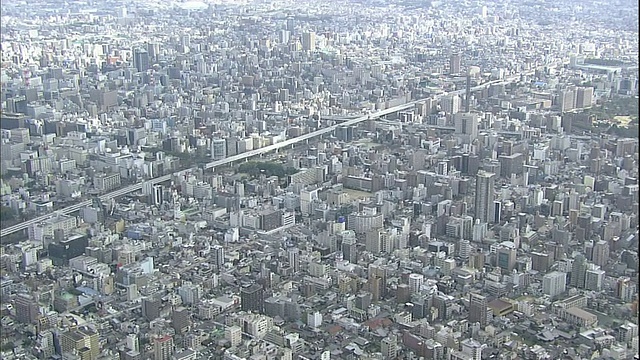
316	180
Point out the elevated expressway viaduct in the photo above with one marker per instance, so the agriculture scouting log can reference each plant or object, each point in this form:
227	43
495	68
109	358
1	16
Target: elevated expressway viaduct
246	155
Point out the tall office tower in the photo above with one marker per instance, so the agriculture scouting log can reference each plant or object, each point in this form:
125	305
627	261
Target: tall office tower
163	348
157	194
484	208
374	239
377	282
151	308
625	289
466	126
578	271
293	256
554	283
252	298
506	258
185	40
153	48
540	261
284	36
218	256
374	286
141	60
291	25
450	104
567	99
601	253
478	309
415	282
594	278
584	97
181	320
349	248
464	249
467	96
218	149
454	64
26	309
309	41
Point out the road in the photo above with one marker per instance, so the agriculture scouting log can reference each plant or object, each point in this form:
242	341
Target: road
349	122
235	158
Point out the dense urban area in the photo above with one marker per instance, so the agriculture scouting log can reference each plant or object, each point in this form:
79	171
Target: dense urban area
353	179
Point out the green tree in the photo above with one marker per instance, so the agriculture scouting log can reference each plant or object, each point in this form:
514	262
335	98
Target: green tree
255	168
7	347
6	214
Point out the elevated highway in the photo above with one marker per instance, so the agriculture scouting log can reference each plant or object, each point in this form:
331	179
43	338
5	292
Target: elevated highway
249	154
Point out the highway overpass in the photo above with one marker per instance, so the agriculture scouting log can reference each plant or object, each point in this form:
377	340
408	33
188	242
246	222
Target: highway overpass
246	155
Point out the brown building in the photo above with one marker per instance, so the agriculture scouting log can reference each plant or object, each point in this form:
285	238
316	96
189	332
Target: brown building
83	341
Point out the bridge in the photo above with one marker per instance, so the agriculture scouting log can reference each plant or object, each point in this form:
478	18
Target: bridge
249	154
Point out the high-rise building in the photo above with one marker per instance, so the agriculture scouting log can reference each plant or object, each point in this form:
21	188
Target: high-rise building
293	256
151	308
472	348
584	97
141	60
374	240
389	347
157	194
601	253
506	258
132	343
185	40
554	283
349	248
567	99
377	282
252	298
484	208
454	64
466	126
594	278
163	348
578	271
284	36
626	289
181	320
291	24
45	347
218	149
415	282
626	332
450	104
84	341
309	41
233	334
477	309
26	309
375	287
153	48
540	261
314	319
511	164
218	256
